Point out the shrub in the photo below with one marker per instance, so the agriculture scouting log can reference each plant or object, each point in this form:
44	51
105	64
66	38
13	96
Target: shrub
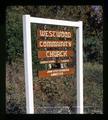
93	87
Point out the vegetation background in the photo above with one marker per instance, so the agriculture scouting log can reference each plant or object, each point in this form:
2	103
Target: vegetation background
60	91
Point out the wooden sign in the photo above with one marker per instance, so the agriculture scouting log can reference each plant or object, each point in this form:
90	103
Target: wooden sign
54	53
54	43
56	72
55	61
58	34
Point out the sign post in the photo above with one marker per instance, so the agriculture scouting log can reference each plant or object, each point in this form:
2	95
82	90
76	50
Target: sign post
79	62
27	20
28	64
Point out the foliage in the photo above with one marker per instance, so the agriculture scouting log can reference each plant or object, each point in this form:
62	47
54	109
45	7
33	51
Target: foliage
54	92
90	15
15	93
93	87
57	91
14	43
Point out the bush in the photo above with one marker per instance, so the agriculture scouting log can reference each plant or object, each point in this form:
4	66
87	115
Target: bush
59	91
93	72
93	87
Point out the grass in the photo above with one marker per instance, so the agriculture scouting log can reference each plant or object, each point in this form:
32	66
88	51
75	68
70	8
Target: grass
54	92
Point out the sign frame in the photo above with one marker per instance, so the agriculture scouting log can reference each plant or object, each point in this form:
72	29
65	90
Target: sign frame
27	20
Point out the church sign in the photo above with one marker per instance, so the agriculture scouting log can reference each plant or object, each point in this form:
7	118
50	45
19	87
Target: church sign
63	44
54	47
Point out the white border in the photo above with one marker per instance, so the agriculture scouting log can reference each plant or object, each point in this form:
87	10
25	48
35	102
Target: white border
27	20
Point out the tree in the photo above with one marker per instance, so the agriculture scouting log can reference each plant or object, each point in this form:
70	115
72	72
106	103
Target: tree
90	15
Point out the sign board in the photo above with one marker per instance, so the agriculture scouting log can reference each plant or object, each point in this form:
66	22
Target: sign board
56	72
58	53
27	20
57	34
54	43
54	53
